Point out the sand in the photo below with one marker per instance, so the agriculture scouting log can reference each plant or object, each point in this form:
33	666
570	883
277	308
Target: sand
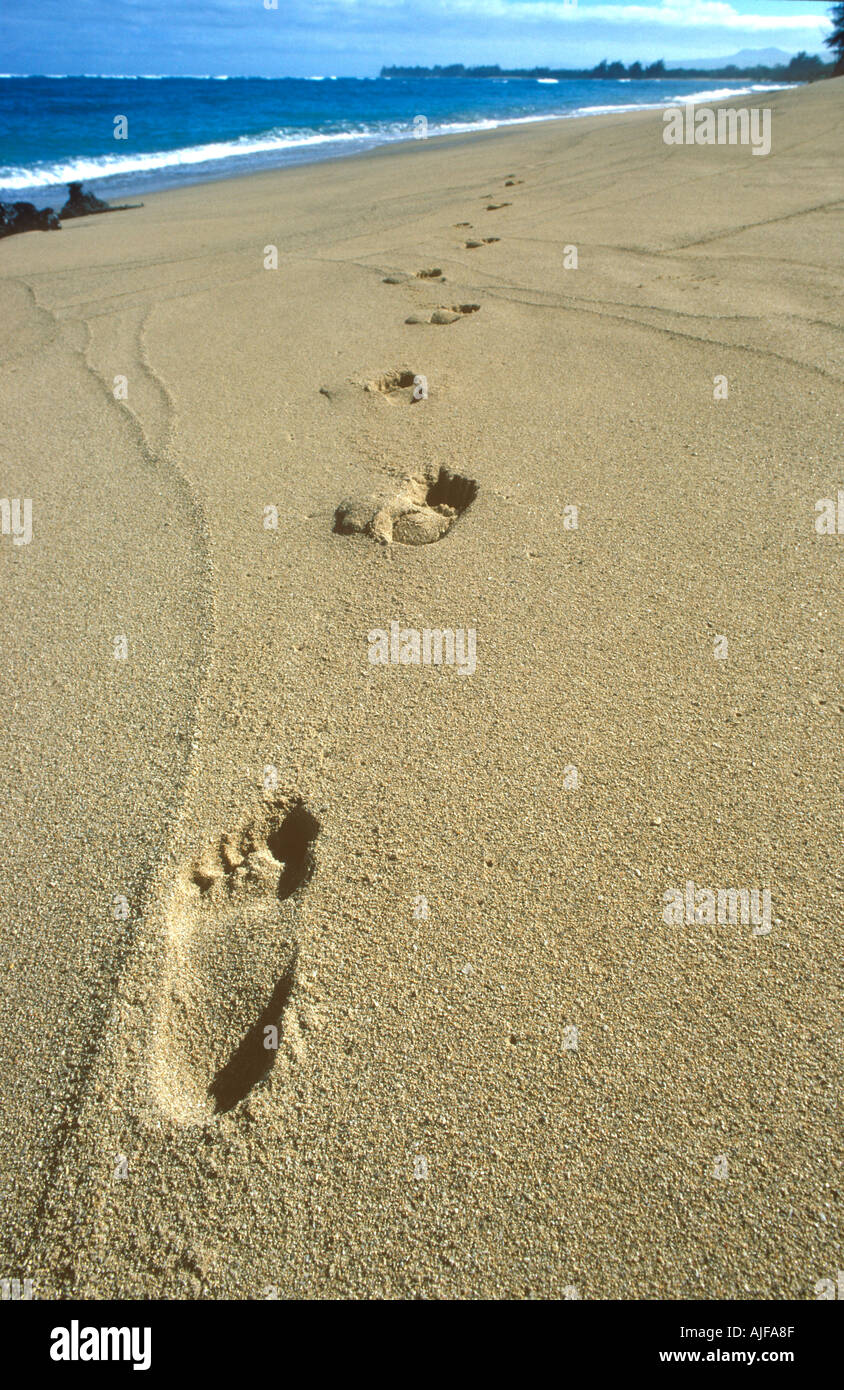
499	1072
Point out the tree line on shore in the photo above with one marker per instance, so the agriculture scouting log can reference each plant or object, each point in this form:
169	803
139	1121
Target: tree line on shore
804	67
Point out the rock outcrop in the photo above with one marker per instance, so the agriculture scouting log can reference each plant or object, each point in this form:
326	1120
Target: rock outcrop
26	217
81	204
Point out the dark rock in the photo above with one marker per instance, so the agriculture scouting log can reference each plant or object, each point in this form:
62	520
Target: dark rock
26	217
81	204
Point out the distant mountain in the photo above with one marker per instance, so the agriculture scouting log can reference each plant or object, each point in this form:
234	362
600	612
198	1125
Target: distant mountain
747	58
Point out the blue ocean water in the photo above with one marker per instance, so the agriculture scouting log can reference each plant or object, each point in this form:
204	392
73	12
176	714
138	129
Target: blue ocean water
190	129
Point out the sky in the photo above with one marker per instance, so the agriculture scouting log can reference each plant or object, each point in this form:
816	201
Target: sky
353	38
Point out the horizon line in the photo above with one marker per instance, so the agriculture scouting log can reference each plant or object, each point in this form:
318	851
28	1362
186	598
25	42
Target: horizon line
352	77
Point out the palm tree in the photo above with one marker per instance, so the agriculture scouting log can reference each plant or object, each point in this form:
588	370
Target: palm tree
835	40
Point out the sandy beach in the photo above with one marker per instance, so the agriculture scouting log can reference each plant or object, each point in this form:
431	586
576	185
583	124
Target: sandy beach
500	1071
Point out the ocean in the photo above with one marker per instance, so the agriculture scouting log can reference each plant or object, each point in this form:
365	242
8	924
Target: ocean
191	129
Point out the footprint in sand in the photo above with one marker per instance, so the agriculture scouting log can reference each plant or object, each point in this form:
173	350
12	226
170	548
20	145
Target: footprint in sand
424	511
511	183
445	314
493	207
399	277
484	241
230	987
402	384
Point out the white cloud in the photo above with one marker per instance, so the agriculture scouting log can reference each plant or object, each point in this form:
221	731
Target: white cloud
678	14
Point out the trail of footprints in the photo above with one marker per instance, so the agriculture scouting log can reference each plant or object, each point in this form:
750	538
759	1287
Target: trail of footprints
231	1000
451	313
427	504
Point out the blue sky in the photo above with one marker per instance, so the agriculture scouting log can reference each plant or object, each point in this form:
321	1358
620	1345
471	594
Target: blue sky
303	38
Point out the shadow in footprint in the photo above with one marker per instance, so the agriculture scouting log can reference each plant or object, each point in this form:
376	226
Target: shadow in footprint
291	843
251	1062
452	490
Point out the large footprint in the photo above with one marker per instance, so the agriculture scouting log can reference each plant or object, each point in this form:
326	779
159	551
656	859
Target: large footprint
423	511
230	984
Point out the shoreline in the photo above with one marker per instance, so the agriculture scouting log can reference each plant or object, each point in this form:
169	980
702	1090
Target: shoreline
121	185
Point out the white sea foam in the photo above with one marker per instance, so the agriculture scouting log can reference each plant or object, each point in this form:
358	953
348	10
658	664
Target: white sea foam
108	165
724	93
